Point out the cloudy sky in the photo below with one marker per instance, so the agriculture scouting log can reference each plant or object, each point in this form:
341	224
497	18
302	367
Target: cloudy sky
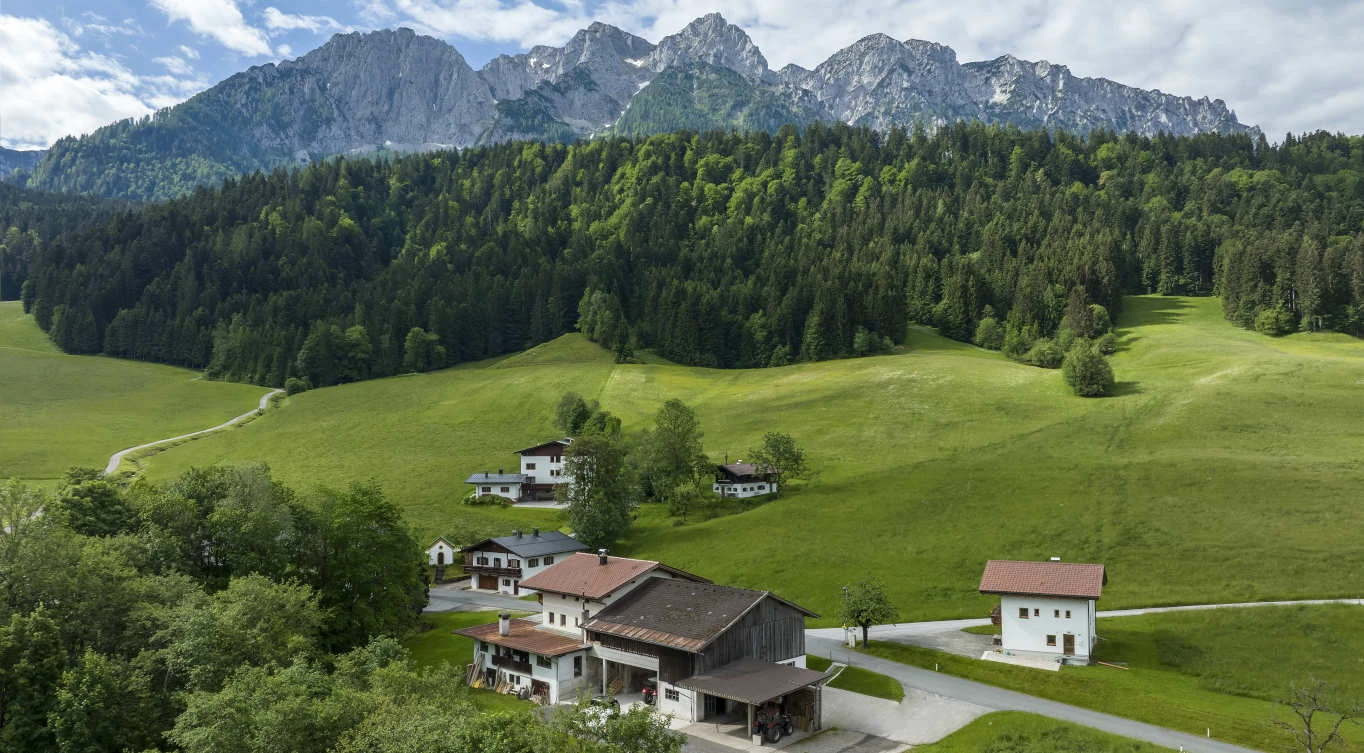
69	66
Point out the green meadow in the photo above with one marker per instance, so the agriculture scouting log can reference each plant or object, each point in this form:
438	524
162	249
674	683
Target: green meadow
1224	670
57	410
1226	468
1017	732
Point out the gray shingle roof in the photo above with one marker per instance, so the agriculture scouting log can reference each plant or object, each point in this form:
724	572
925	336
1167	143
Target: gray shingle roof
495	478
530	544
678	613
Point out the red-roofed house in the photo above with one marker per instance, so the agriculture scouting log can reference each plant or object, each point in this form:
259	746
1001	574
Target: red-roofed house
1046	607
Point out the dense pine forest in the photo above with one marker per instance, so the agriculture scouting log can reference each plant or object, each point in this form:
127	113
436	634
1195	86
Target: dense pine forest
30	219
712	249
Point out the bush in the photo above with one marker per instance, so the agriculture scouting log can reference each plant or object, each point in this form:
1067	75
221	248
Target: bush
866	343
295	385
1046	354
1087	371
1275	322
1108	344
990	334
486	499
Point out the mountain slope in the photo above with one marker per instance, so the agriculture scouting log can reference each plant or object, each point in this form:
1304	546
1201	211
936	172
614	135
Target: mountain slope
16	159
396	90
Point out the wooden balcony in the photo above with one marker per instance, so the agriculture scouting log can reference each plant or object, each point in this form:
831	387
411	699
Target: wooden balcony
497	572
511	664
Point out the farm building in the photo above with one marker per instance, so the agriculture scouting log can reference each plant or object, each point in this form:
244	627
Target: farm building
613	625
1046	608
541	472
744	480
502	563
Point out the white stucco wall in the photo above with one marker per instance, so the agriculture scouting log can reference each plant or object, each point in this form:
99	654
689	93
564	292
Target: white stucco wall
438	548
546	471
687	706
1030	634
742	491
513	489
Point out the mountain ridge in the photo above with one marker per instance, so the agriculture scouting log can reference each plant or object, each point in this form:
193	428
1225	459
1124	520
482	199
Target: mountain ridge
397	90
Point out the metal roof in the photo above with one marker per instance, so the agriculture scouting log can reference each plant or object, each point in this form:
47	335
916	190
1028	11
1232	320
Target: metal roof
583	574
1065	579
680	614
566	441
753	681
495	478
531	544
526	634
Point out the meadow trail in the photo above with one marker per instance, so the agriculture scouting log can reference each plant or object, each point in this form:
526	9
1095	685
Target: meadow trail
116	459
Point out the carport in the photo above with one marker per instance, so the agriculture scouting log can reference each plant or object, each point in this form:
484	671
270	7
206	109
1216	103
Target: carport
756	683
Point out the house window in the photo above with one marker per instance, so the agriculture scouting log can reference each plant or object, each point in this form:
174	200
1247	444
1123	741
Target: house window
513	563
551	618
576	623
544	661
1051	640
563	620
533	562
1056	613
487	490
483	647
671	694
497	562
530	466
506	581
577	666
549	560
506	489
1022	613
554	458
1067	614
1036	612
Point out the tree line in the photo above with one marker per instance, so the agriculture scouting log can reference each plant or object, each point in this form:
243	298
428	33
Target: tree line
226	613
713	249
31	219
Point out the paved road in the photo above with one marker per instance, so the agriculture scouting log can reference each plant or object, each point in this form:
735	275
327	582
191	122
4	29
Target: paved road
455	597
999	699
117	458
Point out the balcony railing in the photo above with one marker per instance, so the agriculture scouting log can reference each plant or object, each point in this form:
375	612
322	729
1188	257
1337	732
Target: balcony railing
507	572
510	663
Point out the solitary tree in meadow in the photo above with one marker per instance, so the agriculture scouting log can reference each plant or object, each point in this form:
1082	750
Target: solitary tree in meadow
866	604
1316	719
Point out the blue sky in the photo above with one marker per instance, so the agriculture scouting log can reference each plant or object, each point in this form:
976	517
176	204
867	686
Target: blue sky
69	66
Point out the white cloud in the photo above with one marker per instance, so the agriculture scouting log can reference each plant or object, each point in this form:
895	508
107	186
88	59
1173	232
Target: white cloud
520	21
63	89
284	50
374	12
277	20
175	66
220	19
188	52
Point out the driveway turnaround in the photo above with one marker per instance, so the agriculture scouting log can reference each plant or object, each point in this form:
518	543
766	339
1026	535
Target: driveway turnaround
456	596
999	699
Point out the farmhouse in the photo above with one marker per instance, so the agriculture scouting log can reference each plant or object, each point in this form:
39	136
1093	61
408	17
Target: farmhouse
542	471
502	563
1046	608
744	480
612	625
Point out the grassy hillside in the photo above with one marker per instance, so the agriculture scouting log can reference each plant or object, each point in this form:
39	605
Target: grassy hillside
1017	732
58	410
1226	469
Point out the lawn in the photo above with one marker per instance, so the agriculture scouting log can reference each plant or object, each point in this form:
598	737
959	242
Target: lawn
859	680
438	645
1220	669
1226	469
1016	732
57	411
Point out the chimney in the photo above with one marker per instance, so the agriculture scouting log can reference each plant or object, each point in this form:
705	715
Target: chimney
601	556
516	532
485	474
499	471
535	533
504	624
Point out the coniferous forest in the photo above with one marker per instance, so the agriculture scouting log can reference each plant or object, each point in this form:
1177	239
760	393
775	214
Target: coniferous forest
714	249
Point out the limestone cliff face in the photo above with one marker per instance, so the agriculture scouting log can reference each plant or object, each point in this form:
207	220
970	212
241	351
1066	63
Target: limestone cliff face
398	90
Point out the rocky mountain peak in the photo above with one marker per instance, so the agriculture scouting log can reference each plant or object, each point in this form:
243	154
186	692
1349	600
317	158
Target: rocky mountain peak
712	40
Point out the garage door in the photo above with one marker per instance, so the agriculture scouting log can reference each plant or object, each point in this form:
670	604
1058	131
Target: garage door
487	582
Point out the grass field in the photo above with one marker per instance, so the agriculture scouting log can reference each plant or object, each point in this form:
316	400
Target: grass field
57	411
1016	732
1219	669
1226	469
859	680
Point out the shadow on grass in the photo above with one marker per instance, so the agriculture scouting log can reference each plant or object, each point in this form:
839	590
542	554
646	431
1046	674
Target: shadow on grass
1121	389
1142	311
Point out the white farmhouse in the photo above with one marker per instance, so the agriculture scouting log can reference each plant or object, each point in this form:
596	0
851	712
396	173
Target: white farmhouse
743	480
542	471
1046	608
500	564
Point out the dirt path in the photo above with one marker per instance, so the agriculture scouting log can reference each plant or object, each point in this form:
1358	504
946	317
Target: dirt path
116	459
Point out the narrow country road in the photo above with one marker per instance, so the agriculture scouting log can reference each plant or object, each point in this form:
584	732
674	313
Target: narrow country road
999	699
117	458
